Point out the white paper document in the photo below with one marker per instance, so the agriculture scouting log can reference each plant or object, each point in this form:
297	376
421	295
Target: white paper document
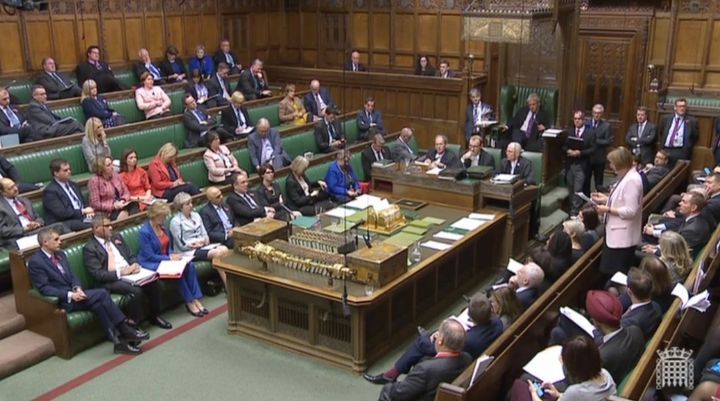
619	278
144	276
467	224
513	265
551	133
585	198
546	365
173	268
464	319
578	319
698	302
481	365
27	242
482	216
434	171
340	212
439	246
448	236
363	202
504	178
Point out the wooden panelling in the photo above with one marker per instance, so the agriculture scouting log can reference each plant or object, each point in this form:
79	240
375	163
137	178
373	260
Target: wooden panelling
292	27
11	60
714	56
690	33
154	36
381	31
209	33
381	59
64	38
134	37
40	41
659	44
114	41
427	36
359	23
450	33
405	61
259	35
404	32
88	34
309	33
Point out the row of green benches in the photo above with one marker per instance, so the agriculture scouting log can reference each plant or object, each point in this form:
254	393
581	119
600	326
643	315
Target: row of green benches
22	89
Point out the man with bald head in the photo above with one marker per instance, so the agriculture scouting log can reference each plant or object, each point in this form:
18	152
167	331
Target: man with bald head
145	64
265	147
57	84
217	218
12	120
44	122
401	149
17	216
317	101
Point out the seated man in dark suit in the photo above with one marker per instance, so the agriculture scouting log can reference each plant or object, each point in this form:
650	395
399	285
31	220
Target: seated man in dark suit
369	118
693	226
243	204
264	146
197	123
481	329
8	170
678	132
12	120
57	84
655	172
98	71
317	101
253	83
63	201
444	70
235	119
225	55
17	216
376	152
44	122
422	381
354	63
475	155
107	258
439	156
218	219
643	311
711	211
641	136
526	283
401	149
528	124
514	163
50	273
219	86
329	135
145	64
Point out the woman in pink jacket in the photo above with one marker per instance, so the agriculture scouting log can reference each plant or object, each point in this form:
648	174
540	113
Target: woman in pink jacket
152	99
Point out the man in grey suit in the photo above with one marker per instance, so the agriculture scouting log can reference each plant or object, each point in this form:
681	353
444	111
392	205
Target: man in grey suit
45	123
641	137
264	146
603	139
57	84
17	216
12	120
422	381
401	149
197	123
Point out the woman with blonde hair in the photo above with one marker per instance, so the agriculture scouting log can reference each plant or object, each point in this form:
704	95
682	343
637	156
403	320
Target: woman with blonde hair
675	253
94	143
108	192
95	105
291	110
305	195
165	178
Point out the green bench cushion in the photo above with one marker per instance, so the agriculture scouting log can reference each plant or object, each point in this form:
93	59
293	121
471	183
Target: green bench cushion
352	133
298	144
22	90
127	77
128	109
513	98
270	111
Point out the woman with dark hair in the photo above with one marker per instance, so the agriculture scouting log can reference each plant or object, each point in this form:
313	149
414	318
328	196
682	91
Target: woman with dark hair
423	66
219	160
135	178
198	90
555	257
269	194
505	305
589	217
173	67
662	283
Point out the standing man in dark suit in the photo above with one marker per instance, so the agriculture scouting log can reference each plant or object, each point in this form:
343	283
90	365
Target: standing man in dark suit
401	149
477	112
107	258
329	135
317	101
8	170
219	86
235	119
422	381
253	83
369	118
475	155
641	137
264	146
50	273
225	55
679	132
514	163
63	201
98	71
12	120
44	122
528	125
17	216
145	64
440	156
444	70
353	64
218	219
603	138
376	152
57	84
197	123
243	204
579	148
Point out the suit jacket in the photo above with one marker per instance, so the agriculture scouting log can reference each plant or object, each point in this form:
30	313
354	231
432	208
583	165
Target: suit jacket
5	127
363	123
642	143
215	86
655	174
524	169
213	224
360	67
139	68
696	232
484	159
48	279
322	135
146	98
479	337
104	77
194	131
190	89
103	192
8	170
402	151
230	120
286	110
166	68
336	181
647	317
422	381
215	165
312	106
486	114
56	90
367	157
255	147
251	87
205	65
150	254
690	135
95	258
243	212
160	177
10	227
296	197
449	158
58	206
527	296
99	108
603	138
219	57
450	74
587	149
44	122
716	142
711	211
624	229
620	353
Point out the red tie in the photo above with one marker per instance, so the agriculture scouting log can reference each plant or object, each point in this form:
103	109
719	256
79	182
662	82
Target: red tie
22	209
54	259
577	132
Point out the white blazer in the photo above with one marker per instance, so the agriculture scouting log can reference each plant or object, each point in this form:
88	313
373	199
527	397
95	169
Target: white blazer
624	229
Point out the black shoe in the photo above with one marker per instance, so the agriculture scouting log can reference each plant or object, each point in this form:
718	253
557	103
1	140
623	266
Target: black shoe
132	323
196	314
377	379
160	322
127	349
130	334
204	311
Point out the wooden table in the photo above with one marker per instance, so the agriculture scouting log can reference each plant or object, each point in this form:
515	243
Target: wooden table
303	313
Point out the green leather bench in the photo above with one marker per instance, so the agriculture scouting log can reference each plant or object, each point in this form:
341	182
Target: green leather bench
535	158
513	98
298	144
127	77
692	101
352	133
270	111
127	107
22	90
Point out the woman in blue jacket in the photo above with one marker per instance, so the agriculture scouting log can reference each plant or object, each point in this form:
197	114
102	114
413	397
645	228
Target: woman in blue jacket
202	62
341	180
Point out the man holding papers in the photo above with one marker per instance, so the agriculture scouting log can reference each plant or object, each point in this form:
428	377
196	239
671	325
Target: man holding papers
109	261
515	164
51	274
579	148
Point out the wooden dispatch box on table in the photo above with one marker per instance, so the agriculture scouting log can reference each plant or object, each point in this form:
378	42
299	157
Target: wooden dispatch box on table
378	265
263	230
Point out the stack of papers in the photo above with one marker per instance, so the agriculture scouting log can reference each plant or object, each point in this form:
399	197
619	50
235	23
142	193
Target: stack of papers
340	212
403	239
482	216
546	365
438	246
513	265
698	302
467	224
448	236
551	133
464	319
27	242
504	179
363	202
580	320
434	171
173	268
141	278
619	278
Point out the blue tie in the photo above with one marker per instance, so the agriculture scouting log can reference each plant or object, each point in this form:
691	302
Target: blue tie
154	71
223	217
199	115
12	117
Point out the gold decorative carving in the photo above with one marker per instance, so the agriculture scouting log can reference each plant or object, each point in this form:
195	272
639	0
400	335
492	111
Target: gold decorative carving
505	30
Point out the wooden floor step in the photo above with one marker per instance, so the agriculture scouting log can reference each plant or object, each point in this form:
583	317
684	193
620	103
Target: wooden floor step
22	350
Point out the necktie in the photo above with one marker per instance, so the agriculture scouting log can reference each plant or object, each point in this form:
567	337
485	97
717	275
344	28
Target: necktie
54	259
12	117
675	131
369	116
22	210
331	132
154	71
111	256
355	67
640	130
595	124
577	133
240	118
57	78
73	197
229	60
475	114
198	115
318	101
223	218
512	167
378	156
250	201
531	126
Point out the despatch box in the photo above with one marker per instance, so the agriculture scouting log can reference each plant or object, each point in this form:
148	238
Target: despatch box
378	265
263	230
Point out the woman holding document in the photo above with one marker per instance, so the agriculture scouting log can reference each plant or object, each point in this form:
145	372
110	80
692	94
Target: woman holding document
156	247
